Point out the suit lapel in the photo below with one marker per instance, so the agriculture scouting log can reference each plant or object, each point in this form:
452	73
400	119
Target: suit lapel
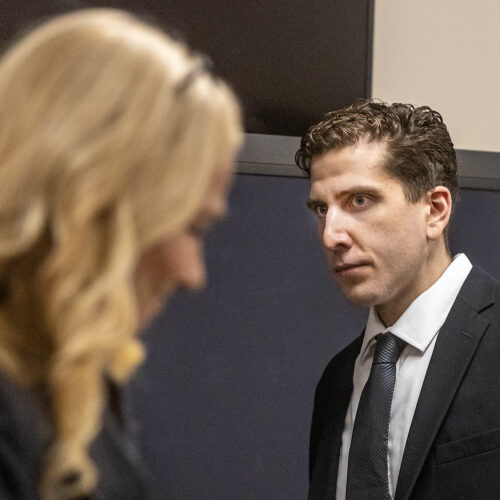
339	414
324	479
455	347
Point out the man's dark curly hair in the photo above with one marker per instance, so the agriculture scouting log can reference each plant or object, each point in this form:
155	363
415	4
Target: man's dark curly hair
419	149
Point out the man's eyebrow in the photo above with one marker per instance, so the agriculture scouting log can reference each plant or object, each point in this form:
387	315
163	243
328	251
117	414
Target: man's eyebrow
312	203
358	188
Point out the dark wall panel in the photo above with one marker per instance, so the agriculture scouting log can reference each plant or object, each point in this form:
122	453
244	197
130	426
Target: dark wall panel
225	399
290	62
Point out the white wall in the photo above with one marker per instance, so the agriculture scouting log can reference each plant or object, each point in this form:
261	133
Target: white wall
445	54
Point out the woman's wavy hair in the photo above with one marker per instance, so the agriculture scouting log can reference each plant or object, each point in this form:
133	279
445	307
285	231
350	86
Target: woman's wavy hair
110	132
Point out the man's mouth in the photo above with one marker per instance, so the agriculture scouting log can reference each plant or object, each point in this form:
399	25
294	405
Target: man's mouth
347	269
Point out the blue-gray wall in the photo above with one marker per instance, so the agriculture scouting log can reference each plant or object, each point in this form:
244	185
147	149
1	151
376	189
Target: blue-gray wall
225	398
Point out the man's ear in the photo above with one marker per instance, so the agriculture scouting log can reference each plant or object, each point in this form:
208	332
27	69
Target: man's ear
439	211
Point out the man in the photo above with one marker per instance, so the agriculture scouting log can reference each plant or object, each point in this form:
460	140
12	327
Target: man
413	413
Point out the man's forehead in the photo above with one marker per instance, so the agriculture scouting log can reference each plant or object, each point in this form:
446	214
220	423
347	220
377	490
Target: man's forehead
361	158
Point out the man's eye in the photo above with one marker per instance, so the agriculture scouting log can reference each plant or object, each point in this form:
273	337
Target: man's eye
360	200
321	210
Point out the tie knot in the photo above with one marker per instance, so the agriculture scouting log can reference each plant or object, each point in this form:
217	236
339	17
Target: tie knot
388	348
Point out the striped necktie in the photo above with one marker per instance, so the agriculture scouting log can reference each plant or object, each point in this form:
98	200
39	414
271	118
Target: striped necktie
367	473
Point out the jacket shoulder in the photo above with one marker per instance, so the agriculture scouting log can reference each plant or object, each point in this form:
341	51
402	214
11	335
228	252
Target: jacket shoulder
342	361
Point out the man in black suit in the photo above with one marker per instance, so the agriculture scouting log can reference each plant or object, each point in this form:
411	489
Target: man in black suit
410	409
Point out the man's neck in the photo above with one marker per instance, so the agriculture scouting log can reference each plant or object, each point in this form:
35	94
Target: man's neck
390	312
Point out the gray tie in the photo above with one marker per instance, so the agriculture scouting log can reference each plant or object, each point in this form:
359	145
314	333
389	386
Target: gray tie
367	476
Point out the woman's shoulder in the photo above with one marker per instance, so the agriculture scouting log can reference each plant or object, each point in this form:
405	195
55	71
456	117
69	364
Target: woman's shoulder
25	433
122	471
23	412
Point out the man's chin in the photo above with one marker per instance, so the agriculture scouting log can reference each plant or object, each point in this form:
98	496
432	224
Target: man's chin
360	298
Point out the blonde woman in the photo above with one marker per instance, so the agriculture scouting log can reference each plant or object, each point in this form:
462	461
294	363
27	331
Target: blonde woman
116	152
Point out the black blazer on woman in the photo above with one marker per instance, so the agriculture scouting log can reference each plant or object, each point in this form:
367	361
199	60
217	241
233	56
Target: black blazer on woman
26	432
453	447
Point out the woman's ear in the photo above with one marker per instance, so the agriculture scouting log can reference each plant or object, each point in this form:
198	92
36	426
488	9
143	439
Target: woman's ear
439	211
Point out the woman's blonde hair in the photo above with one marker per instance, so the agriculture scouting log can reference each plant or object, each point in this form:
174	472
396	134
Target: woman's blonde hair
110	133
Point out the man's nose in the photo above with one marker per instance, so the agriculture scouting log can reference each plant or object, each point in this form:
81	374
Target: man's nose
335	235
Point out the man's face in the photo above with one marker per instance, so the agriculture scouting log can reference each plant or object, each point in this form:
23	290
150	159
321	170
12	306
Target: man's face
375	240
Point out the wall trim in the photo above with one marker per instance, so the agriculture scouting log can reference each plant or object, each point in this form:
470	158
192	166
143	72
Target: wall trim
369	47
273	155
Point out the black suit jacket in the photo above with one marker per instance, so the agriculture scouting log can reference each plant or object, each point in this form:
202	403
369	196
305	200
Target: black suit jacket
26	433
453	446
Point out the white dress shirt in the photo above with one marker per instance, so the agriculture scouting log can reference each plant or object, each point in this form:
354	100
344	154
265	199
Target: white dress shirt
418	326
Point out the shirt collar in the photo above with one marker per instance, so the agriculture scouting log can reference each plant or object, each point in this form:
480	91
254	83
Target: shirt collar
423	318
